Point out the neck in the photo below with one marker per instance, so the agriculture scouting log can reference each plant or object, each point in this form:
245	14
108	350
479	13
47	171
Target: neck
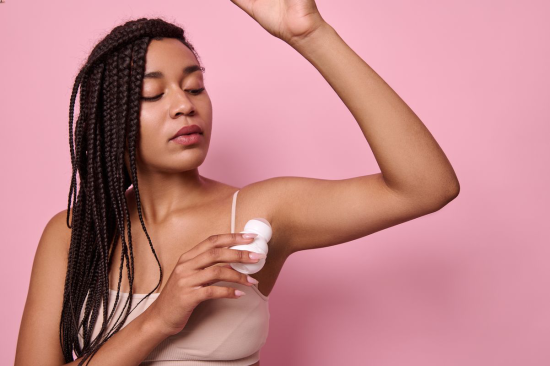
162	194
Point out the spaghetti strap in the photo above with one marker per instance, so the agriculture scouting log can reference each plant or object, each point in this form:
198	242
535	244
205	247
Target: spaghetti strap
233	212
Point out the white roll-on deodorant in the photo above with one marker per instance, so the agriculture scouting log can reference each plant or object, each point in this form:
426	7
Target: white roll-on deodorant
259	245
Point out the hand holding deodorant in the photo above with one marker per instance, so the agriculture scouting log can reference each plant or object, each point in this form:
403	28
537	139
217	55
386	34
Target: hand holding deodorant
259	245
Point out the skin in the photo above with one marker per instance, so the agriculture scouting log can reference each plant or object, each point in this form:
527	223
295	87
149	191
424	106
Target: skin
182	208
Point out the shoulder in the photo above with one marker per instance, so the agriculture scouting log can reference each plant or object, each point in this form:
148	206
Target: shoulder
57	229
264	198
257	199
267	191
262	195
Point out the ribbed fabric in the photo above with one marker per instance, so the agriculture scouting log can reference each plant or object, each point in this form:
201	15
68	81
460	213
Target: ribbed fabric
220	332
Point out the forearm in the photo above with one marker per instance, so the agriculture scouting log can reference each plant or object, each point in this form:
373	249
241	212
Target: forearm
410	159
129	346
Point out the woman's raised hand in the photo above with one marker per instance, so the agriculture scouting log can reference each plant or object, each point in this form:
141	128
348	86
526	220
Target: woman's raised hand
189	283
288	20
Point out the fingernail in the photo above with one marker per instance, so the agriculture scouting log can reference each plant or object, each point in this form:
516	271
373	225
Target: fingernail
252	280
249	235
239	293
254	255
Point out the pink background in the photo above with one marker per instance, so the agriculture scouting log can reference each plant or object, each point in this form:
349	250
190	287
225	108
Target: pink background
467	285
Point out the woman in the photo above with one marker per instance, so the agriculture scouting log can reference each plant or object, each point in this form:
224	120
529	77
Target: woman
141	88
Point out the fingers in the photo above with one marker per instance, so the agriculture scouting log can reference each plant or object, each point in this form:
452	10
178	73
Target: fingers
215	265
215	241
221	255
217	292
214	274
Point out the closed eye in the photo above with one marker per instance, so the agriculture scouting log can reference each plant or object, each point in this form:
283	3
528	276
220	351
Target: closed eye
193	92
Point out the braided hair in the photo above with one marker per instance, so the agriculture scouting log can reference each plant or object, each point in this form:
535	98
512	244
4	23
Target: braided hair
110	88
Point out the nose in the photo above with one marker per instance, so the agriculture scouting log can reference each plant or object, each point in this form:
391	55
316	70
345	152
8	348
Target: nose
181	104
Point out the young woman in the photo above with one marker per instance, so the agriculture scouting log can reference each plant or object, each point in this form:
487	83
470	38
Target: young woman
138	269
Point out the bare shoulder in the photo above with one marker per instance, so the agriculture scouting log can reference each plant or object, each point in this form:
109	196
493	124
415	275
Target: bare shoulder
263	192
262	195
57	228
260	199
258	194
59	224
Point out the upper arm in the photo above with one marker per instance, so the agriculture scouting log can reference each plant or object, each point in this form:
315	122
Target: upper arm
312	213
38	342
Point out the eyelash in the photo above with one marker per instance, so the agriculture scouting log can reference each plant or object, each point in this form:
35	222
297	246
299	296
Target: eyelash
197	91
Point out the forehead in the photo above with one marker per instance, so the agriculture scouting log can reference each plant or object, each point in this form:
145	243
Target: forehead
168	55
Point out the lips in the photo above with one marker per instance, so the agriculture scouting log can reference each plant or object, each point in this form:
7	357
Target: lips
188	130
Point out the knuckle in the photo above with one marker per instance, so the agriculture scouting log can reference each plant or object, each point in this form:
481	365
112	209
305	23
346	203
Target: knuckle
213	238
216	271
208	292
178	270
214	252
234	237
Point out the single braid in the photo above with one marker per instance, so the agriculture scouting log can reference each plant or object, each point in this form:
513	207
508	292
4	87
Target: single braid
107	126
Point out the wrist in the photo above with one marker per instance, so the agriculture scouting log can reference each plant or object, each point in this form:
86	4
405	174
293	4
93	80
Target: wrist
152	327
311	38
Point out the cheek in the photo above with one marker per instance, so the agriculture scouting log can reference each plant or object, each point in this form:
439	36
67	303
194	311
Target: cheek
148	114
151	135
151	119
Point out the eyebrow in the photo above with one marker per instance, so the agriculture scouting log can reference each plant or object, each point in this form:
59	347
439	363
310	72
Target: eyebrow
186	71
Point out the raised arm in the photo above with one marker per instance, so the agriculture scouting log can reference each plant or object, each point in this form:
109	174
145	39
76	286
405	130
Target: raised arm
411	161
416	177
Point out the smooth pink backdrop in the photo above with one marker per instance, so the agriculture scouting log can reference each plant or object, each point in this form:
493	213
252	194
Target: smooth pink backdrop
467	285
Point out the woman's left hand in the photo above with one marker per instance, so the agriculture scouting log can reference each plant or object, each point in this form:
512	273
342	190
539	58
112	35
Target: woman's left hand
289	20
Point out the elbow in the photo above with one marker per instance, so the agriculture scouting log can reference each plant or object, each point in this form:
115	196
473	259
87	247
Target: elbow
436	195
450	193
440	195
454	189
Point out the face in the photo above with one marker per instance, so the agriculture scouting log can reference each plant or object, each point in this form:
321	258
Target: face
170	100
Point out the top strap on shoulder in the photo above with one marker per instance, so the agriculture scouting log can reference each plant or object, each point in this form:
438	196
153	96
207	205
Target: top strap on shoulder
233	206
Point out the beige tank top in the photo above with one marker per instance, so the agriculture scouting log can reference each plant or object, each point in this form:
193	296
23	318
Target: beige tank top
219	332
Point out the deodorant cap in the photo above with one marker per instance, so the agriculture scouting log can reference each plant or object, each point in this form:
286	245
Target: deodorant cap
259	226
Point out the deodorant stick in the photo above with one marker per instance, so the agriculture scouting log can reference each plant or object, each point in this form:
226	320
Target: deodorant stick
259	245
